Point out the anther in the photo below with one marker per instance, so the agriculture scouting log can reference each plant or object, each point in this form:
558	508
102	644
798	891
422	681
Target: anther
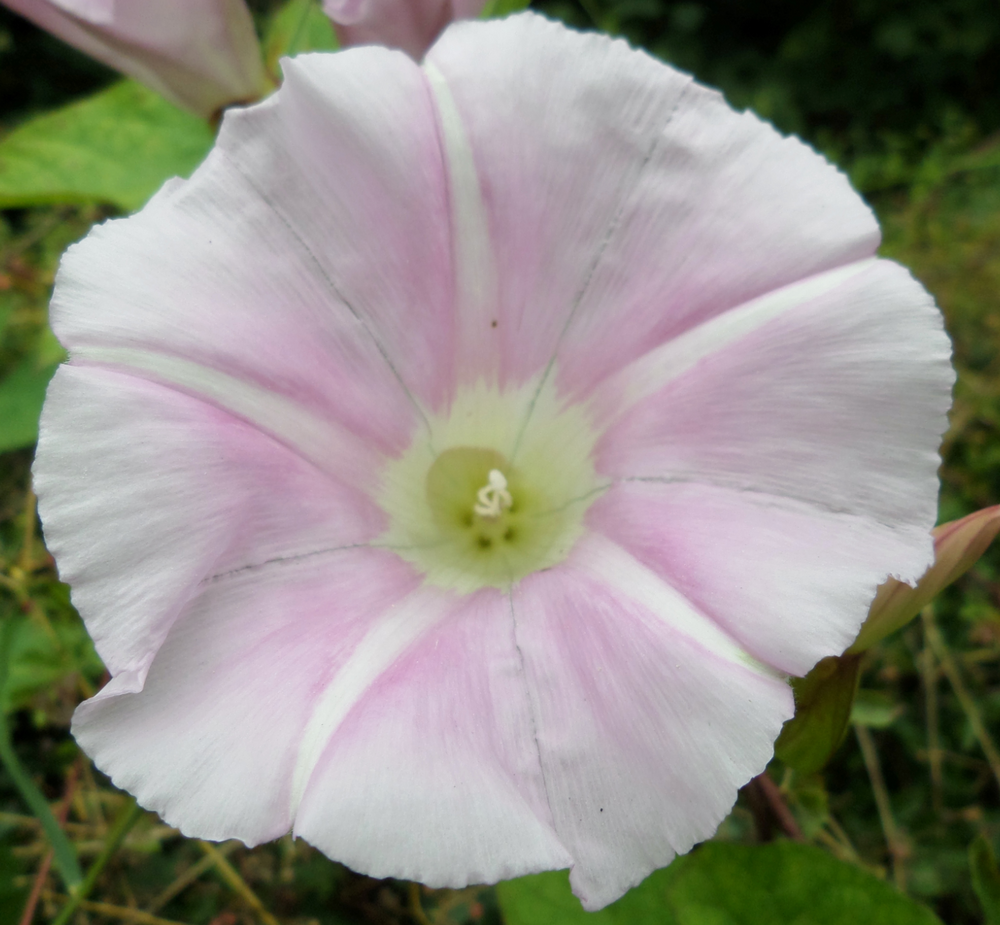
493	497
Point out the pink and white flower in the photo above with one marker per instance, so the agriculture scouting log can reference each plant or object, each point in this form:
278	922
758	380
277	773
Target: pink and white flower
452	471
201	54
411	25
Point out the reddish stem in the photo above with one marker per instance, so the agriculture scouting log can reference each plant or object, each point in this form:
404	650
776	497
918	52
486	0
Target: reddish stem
43	871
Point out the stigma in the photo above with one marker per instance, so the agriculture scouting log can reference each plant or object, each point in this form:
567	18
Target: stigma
493	497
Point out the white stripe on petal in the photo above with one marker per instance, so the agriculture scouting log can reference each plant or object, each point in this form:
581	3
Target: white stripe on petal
619	570
390	636
472	249
322	442
654	370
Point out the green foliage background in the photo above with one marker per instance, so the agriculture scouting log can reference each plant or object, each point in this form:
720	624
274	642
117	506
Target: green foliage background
904	95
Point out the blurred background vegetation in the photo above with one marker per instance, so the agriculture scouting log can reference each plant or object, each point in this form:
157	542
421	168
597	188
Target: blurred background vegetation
905	96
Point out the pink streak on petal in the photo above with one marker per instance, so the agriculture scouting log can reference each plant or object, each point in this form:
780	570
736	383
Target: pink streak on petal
434	776
252	301
177	491
549	195
201	54
791	583
627	197
354	165
726	210
411	25
836	404
644	735
211	739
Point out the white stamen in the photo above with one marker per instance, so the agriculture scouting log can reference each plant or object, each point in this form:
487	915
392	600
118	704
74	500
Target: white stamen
492	498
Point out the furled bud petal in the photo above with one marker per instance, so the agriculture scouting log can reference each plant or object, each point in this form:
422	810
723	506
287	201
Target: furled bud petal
408	24
958	544
201	54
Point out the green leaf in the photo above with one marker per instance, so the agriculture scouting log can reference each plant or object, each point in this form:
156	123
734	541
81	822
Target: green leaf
782	883
298	26
117	146
496	9
43	656
21	395
985	878
823	700
63	852
547	898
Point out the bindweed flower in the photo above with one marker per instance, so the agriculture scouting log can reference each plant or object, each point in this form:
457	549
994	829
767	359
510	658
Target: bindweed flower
411	25
453	470
201	54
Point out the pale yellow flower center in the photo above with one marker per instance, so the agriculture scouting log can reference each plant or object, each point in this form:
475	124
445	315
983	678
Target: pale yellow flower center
496	490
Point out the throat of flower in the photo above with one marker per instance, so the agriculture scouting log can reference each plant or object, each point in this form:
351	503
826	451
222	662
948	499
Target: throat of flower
499	499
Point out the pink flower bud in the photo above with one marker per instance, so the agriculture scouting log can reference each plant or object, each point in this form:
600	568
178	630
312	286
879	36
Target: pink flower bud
957	547
201	54
411	25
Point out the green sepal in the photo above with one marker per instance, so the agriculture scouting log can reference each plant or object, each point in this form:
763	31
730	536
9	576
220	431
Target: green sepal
823	701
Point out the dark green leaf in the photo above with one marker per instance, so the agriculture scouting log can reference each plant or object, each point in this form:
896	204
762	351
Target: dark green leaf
21	395
495	9
117	146
985	878
823	700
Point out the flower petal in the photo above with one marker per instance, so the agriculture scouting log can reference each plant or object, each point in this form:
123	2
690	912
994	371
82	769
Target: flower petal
255	302
628	199
411	25
211	739
201	54
177	491
434	776
792	583
648	717
353	168
839	404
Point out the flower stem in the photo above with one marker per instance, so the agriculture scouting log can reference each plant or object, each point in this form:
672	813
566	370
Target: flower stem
118	912
929	671
237	883
416	907
940	648
188	877
895	841
28	915
126	819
